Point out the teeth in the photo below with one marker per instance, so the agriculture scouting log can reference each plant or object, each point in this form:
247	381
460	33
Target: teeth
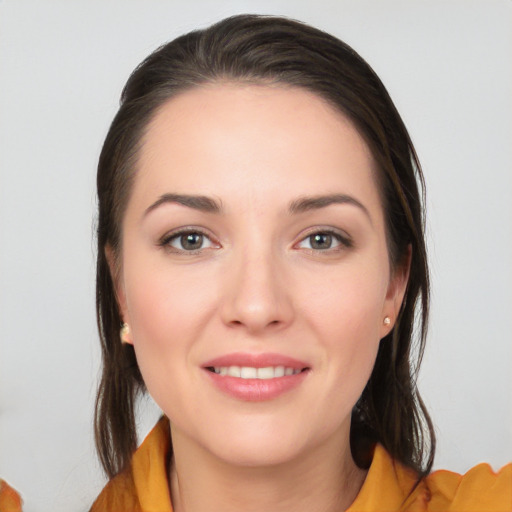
233	371
279	371
266	373
248	372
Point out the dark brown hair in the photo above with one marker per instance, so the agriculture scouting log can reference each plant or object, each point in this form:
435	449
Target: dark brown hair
271	50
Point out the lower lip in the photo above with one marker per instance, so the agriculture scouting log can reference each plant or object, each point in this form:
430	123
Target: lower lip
256	390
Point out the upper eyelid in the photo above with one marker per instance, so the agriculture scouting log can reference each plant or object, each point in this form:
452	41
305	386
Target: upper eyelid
325	230
186	229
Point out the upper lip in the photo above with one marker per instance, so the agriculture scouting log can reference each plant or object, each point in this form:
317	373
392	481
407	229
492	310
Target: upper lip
256	361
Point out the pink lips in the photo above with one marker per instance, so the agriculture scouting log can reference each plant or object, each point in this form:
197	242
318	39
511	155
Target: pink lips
254	389
256	361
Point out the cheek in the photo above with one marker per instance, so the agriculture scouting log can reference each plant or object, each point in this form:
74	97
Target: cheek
347	316
348	304
163	299
167	311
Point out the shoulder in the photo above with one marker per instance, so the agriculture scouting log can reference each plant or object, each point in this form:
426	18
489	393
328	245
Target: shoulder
143	486
392	487
479	490
119	494
10	500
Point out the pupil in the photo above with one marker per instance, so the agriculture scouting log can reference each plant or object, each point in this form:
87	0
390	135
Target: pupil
192	241
321	241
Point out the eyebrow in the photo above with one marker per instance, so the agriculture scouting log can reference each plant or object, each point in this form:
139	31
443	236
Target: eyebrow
201	203
304	204
300	205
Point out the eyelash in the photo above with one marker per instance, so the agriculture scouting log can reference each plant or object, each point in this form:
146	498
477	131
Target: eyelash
344	241
165	242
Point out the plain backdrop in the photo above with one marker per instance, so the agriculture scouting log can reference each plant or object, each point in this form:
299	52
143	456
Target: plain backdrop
448	67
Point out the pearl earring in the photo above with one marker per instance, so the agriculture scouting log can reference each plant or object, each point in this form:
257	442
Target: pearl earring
387	320
124	332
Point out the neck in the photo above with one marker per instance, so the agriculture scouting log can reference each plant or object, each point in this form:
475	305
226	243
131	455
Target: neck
324	480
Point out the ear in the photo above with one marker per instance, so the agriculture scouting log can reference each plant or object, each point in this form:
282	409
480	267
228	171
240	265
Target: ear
115	275
396	291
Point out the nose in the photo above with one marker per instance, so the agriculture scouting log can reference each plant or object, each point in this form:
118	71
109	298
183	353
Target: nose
256	296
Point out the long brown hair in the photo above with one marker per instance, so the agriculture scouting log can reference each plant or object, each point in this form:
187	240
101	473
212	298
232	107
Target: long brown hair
272	50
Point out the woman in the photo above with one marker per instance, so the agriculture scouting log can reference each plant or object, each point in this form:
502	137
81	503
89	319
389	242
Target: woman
261	256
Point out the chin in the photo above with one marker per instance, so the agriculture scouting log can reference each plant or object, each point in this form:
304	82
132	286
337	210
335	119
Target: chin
258	451
252	441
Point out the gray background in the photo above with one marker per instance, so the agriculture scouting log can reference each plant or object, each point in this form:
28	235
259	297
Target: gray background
63	63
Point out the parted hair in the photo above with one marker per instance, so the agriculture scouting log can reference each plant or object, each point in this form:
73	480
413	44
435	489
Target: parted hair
275	51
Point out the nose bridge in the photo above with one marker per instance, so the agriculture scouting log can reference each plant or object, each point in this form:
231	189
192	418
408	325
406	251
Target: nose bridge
255	296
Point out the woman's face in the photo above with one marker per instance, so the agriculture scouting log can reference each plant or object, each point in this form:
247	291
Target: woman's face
254	274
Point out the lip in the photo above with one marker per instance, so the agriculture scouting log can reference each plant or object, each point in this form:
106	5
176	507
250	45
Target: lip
256	361
256	390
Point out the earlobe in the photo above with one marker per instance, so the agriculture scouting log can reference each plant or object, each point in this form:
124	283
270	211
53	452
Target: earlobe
125	335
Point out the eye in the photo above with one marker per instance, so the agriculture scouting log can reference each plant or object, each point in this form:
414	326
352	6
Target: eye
187	241
324	241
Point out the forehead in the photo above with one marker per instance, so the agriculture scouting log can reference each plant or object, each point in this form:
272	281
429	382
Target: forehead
225	138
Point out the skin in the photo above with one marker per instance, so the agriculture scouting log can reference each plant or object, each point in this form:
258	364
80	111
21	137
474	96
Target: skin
258	283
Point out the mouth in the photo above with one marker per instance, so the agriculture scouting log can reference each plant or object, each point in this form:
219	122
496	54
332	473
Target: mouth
256	377
250	372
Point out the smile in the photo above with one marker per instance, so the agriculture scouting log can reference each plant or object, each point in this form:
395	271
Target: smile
256	377
248	372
